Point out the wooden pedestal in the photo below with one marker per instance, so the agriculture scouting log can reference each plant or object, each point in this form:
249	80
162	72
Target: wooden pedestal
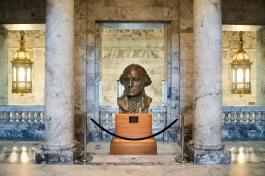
133	126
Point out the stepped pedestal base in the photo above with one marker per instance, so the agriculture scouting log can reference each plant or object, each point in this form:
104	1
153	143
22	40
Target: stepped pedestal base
125	147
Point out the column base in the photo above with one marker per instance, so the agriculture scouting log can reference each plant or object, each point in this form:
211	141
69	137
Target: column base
207	157
56	156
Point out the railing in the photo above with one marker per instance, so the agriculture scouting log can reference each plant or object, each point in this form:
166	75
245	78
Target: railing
243	122
22	122
107	114
243	114
22	114
238	122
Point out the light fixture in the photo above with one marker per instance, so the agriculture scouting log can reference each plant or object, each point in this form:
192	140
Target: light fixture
241	65
21	69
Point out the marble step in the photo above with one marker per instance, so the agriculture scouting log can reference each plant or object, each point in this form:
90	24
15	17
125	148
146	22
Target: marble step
133	159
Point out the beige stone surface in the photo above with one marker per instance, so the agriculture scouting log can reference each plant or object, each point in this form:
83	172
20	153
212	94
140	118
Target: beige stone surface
229	47
248	159
122	47
261	67
35	44
3	67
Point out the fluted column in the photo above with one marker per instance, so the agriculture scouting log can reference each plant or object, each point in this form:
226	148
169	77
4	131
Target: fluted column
59	107
207	145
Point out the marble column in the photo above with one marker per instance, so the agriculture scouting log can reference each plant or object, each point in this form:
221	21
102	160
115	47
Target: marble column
207	147
59	145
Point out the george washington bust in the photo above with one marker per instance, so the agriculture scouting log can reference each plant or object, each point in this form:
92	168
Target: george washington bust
134	100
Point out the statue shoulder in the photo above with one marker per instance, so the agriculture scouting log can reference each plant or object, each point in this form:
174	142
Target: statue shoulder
122	99
147	100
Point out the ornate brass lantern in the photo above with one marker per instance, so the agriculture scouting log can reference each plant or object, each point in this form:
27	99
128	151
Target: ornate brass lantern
241	65
21	69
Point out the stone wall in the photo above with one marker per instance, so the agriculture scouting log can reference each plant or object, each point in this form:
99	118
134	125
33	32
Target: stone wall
229	47
88	16
134	43
186	59
35	44
244	12
90	13
3	67
261	67
34	11
22	11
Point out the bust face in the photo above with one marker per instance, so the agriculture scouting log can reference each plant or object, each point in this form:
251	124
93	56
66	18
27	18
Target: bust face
133	82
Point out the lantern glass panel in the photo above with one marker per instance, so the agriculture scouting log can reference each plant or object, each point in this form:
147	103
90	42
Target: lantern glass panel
21	74
14	74
240	75
234	75
247	75
28	74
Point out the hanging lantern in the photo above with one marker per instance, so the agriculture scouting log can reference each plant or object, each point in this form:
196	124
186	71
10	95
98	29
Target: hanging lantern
241	80
21	69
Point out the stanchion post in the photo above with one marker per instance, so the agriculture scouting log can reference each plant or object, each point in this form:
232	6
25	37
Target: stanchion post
85	158
181	158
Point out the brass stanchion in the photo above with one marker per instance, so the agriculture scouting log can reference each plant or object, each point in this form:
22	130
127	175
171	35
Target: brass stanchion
85	158
181	158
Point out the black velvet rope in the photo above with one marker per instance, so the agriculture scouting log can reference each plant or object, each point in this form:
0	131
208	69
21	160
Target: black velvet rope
133	139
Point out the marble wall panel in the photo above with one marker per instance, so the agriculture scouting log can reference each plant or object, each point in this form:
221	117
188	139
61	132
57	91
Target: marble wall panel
173	92
146	10
129	11
3	67
35	44
121	47
243	12
186	71
80	56
34	11
80	29
261	67
22	11
186	15
80	7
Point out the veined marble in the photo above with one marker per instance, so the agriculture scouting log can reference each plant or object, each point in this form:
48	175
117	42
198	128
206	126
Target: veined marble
207	102
248	159
59	84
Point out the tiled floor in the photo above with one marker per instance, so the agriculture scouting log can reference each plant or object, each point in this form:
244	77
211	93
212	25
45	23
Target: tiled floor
17	158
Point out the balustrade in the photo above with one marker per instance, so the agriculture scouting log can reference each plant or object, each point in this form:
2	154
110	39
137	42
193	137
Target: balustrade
243	114
237	121
22	114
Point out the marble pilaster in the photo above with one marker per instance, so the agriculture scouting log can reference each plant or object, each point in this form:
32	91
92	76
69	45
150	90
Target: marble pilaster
3	67
59	91
207	91
260	67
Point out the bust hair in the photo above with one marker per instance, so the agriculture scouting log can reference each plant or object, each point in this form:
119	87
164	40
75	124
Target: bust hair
147	79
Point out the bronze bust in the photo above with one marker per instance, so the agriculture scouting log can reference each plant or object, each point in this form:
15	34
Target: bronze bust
134	100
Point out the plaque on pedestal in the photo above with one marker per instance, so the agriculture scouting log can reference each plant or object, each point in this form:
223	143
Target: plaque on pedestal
133	126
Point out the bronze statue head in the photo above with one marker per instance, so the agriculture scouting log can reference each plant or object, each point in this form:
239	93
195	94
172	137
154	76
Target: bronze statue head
134	100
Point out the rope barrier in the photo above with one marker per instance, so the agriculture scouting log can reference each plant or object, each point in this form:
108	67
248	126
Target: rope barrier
133	139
